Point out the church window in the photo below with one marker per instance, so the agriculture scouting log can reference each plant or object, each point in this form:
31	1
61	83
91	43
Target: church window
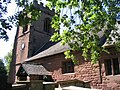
112	66
47	25
68	67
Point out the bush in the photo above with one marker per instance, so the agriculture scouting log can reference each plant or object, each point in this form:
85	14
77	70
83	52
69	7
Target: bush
3	76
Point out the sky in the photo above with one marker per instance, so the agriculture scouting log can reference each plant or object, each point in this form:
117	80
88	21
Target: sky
5	47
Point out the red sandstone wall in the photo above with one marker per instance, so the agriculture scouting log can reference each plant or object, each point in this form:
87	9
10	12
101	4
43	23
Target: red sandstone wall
34	38
21	54
84	71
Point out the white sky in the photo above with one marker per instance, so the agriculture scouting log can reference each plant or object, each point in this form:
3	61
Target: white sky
7	46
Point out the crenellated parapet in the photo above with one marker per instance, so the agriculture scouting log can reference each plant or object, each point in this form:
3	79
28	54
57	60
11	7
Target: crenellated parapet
43	8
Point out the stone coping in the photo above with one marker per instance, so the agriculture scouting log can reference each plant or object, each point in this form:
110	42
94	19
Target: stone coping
23	81
48	82
18	85
74	80
77	88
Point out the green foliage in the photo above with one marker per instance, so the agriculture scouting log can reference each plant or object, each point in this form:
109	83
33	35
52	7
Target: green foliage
3	76
8	59
117	46
27	14
4	24
69	55
82	21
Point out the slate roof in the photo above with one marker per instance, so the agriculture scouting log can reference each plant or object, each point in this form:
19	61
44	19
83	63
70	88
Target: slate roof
58	48
55	49
32	69
44	47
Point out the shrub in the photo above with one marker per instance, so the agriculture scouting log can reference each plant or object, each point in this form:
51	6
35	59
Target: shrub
3	76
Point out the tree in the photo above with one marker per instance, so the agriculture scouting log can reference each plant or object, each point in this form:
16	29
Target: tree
86	24
3	76
8	59
4	24
27	14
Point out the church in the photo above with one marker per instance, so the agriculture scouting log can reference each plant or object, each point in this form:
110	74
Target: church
35	57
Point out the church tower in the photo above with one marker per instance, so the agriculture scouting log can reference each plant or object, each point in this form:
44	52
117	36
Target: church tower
31	38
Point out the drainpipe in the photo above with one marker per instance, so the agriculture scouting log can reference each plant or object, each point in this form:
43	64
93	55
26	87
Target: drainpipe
100	71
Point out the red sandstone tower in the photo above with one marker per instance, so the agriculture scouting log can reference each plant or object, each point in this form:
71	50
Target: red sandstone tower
31	38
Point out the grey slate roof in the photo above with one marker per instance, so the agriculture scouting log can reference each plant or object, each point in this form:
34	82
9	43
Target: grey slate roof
55	49
44	47
32	69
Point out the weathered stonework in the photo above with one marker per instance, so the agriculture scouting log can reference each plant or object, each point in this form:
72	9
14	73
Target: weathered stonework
29	42
35	37
84	71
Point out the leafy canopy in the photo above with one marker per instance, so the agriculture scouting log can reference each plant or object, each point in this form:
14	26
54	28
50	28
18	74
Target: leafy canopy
26	13
86	24
4	24
3	76
8	59
82	22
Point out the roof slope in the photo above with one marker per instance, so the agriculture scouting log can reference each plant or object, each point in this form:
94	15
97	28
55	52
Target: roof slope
55	49
58	48
32	69
44	47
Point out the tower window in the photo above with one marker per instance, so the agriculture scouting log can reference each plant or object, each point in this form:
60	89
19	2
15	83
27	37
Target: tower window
47	25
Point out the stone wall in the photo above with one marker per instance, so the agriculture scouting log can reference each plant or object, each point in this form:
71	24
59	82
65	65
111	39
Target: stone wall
33	38
36	85
22	53
84	71
33	85
20	87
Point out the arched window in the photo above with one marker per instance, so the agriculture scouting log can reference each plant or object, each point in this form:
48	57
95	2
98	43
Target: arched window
47	25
